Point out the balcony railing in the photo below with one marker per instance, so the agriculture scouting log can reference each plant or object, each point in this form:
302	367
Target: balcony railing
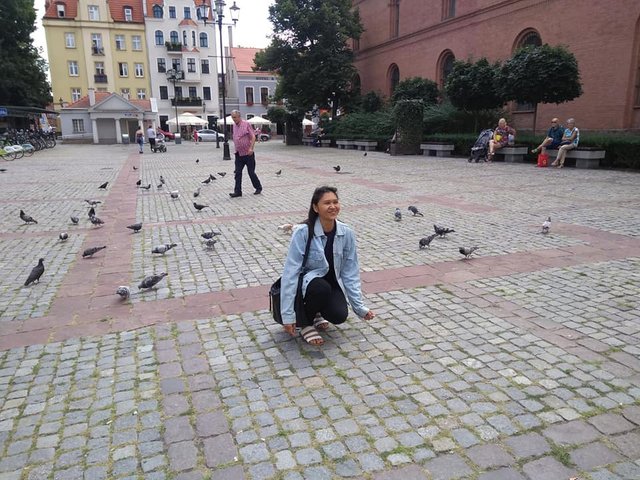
100	78
186	102
97	50
173	47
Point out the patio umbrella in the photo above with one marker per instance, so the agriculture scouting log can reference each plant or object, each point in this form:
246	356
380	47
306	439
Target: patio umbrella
188	119
229	121
259	121
307	123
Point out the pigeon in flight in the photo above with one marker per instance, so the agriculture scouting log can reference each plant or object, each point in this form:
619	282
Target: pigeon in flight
89	252
196	193
93	203
162	249
278	173
398	215
546	225
139	182
415	211
26	218
209	235
467	251
136	227
222	174
96	221
286	228
103	186
337	168
207	181
199	207
442	231
92	212
175	194
36	273
426	241
151	281
74	219
210	243
124	292
64	236
162	180
147	187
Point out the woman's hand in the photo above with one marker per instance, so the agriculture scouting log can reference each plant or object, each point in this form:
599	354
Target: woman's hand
369	315
290	329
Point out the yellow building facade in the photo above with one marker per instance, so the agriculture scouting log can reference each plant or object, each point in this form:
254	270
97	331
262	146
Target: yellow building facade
95	44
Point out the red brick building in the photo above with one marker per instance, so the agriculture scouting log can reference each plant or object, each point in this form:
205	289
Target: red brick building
406	38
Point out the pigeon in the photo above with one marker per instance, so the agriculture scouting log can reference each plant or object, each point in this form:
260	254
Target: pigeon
89	252
337	168
147	187
210	243
162	180
199	207
36	273
159	186
103	186
426	241
398	215
151	280
136	227
139	182
442	231
196	193
546	225
222	174
162	249
286	228
96	221
64	236
197	160
415	211
26	218
135	168
174	194
365	154
278	173
93	203
3	169
124	292
212	177
92	212
210	235
467	251
207	181
74	219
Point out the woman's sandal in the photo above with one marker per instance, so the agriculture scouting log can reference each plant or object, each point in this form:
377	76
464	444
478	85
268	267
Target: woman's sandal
311	336
321	324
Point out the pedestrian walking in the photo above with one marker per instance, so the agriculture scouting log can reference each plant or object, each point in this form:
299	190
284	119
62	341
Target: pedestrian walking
244	140
140	138
151	135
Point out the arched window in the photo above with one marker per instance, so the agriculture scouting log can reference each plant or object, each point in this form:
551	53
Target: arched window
448	9
445	65
184	38
159	37
393	78
204	40
394	18
527	38
173	37
157	11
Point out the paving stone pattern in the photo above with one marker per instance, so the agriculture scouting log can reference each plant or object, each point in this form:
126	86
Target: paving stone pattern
520	363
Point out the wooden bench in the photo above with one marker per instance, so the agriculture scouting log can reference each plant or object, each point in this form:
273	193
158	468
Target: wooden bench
345	144
584	157
366	145
436	149
513	154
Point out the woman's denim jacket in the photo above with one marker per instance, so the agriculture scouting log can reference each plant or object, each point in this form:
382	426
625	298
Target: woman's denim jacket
345	258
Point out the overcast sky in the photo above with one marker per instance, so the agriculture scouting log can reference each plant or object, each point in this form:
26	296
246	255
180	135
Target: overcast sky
252	29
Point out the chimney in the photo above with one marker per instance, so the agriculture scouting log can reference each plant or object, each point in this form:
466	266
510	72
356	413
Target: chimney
230	33
92	97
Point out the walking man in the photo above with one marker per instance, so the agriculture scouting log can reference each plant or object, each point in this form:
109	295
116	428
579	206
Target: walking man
151	135
244	139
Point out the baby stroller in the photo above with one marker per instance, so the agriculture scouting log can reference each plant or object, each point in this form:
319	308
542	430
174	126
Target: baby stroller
160	146
480	148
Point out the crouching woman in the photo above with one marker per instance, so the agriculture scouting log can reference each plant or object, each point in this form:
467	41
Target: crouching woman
331	274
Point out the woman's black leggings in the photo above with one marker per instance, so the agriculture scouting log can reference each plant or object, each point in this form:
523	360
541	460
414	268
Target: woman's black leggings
328	299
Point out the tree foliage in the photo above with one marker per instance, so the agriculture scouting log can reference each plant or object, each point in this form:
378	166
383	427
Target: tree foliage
309	51
416	88
371	102
474	86
23	81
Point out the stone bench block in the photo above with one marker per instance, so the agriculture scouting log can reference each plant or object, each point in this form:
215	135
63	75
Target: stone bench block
437	149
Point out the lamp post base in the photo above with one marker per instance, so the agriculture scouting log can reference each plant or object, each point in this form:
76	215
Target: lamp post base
225	154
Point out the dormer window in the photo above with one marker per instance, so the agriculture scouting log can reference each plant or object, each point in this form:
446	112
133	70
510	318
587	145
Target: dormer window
60	9
157	11
128	14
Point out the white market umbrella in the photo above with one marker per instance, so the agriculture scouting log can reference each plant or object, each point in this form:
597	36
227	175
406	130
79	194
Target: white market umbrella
188	119
229	121
306	122
259	121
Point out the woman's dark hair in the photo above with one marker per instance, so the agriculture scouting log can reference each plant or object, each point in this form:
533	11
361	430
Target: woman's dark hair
315	199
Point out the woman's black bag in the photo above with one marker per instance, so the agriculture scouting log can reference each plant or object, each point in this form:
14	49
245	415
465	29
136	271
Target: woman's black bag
274	291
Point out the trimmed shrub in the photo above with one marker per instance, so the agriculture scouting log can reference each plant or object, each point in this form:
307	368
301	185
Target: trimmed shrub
362	126
444	117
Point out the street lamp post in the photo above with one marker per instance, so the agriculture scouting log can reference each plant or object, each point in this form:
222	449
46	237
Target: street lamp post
204	10
173	75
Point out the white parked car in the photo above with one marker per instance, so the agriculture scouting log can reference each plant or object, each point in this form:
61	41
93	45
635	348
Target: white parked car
207	135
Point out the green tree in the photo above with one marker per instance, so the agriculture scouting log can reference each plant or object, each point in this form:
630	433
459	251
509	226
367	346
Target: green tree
543	74
371	102
310	53
23	81
472	87
416	88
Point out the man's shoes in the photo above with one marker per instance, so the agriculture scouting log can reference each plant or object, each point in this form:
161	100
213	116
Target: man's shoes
235	195
258	191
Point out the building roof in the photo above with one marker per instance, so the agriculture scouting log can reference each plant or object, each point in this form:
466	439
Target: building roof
70	8
243	59
100	96
116	8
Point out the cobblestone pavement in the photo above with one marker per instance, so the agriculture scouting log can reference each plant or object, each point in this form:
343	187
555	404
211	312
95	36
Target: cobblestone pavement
522	363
